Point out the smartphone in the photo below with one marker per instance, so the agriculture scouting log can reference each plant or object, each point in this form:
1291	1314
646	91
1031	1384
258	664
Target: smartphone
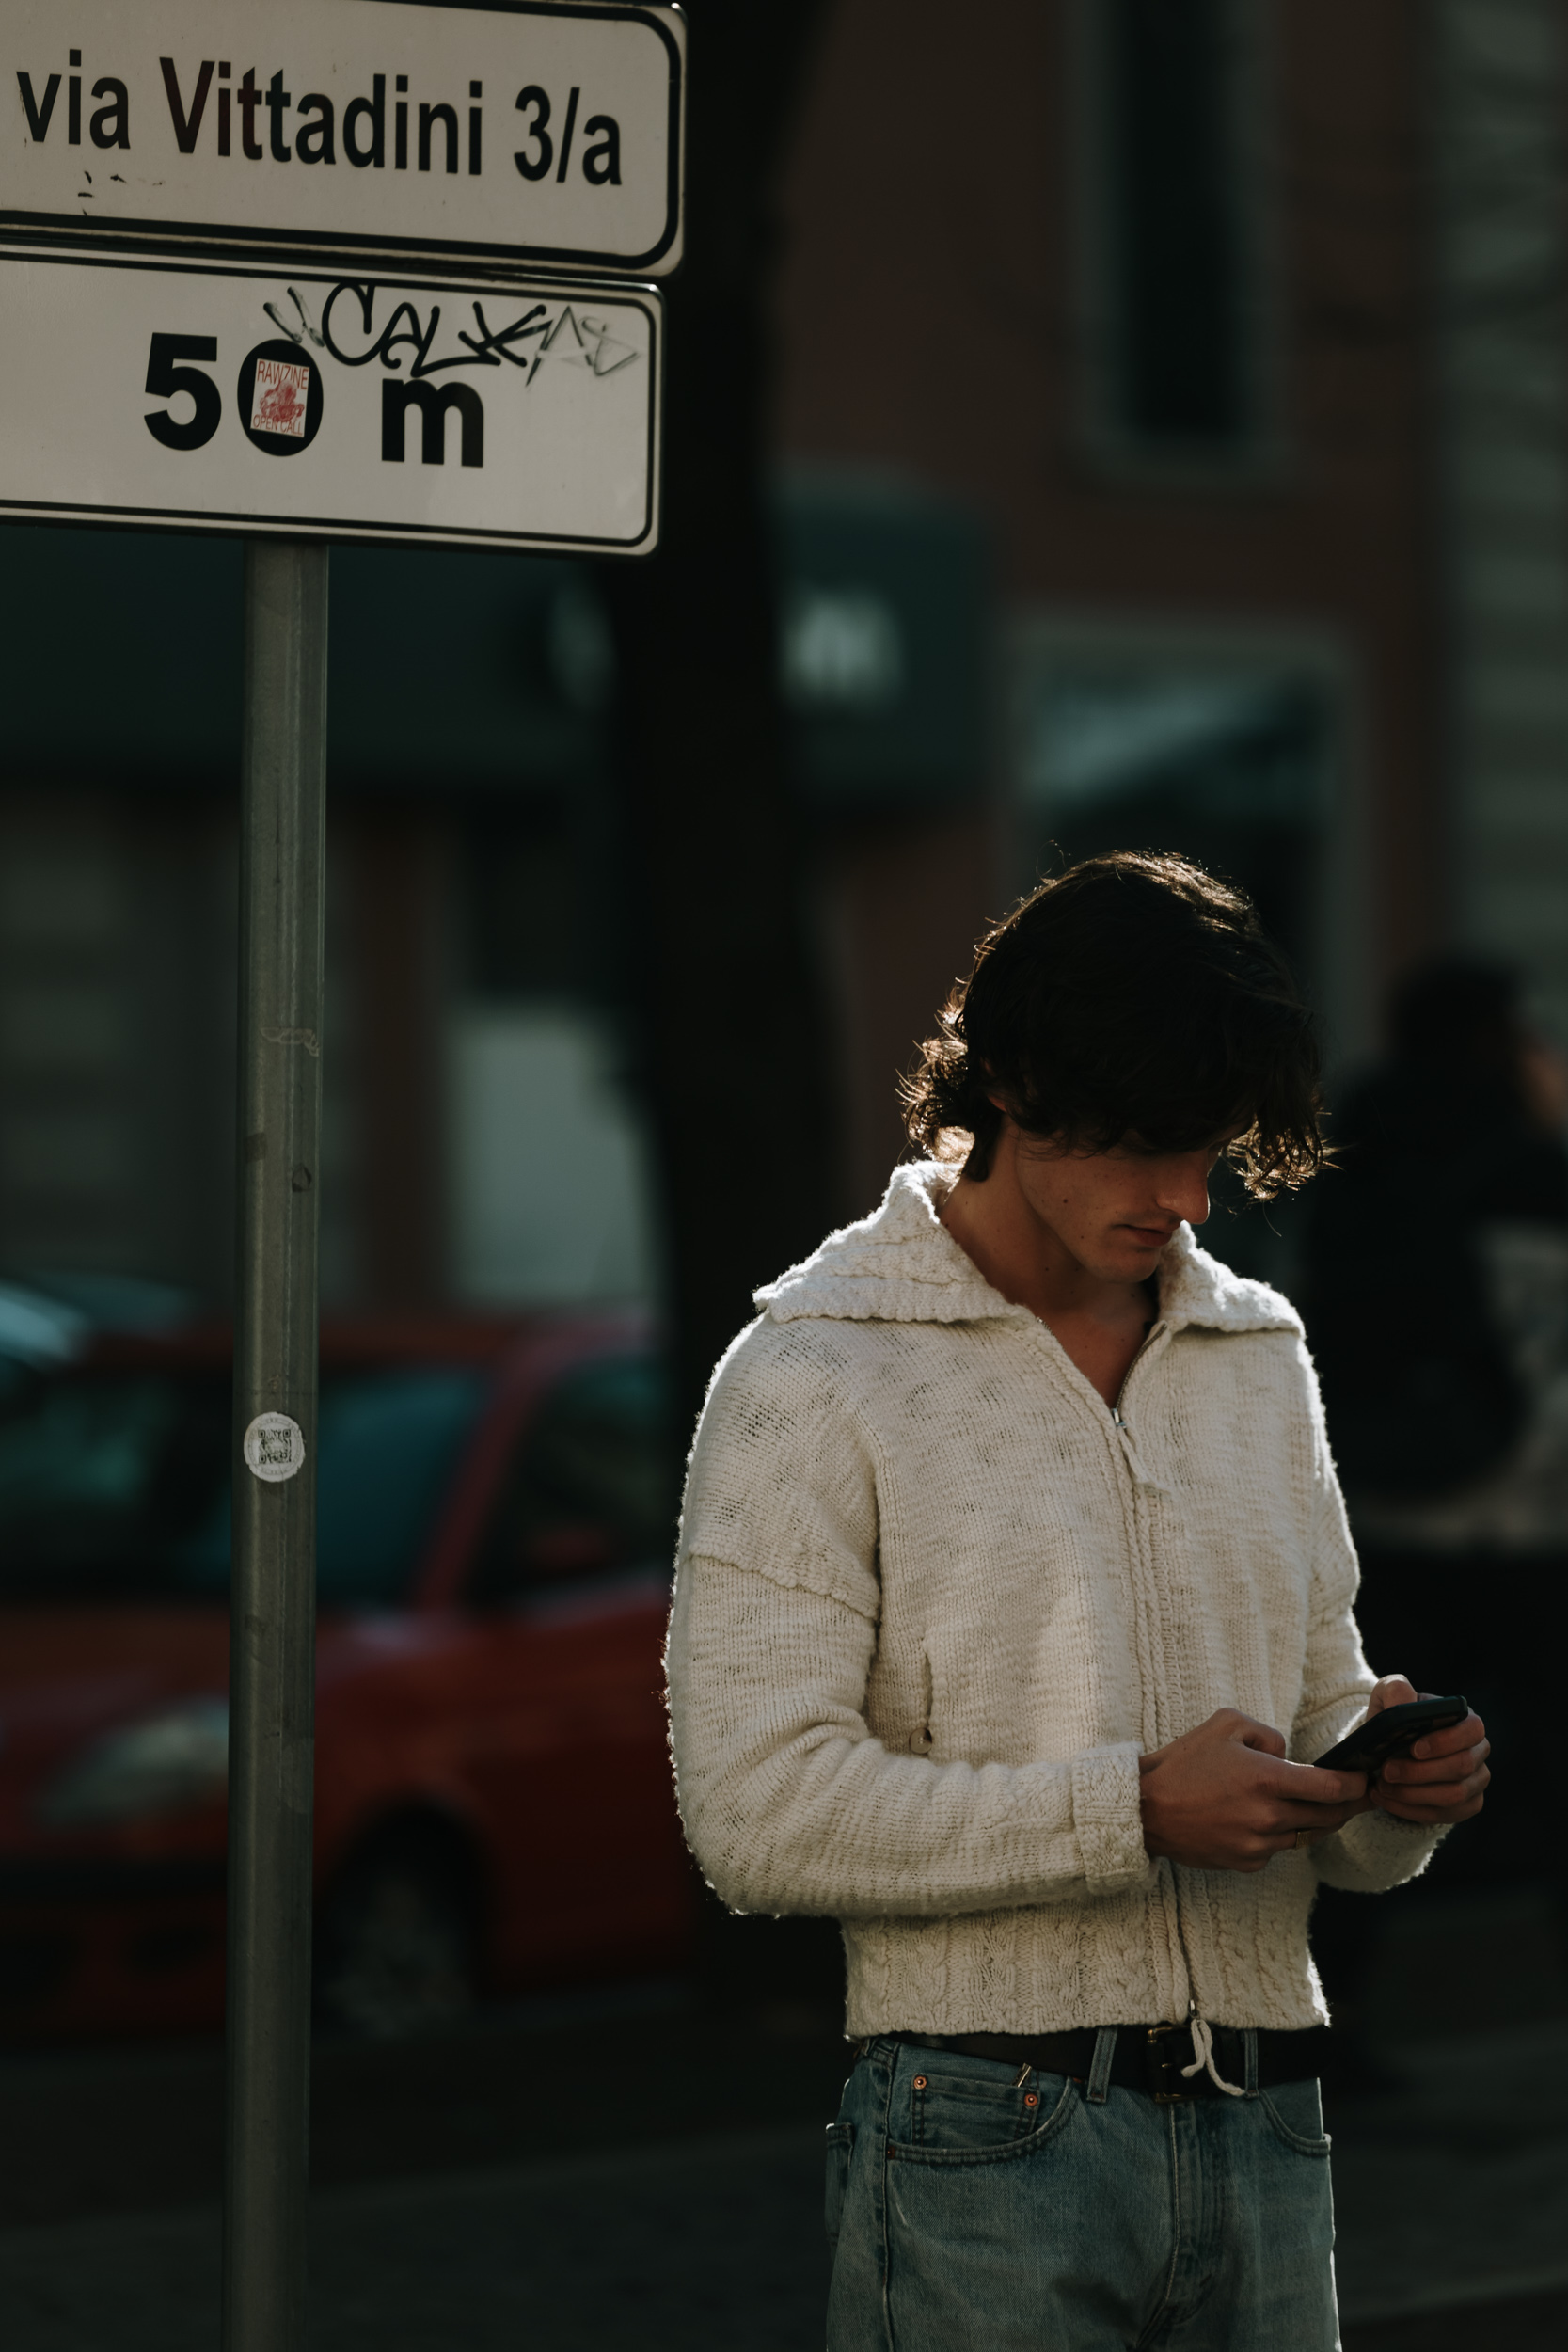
1394	1732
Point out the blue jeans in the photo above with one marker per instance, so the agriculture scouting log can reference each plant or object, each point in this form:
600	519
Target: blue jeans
970	2211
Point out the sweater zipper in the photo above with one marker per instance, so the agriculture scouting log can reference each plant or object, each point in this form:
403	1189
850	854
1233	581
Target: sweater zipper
1152	1341
1197	2025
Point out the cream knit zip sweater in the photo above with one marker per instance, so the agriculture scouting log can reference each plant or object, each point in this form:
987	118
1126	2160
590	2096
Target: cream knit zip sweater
934	1600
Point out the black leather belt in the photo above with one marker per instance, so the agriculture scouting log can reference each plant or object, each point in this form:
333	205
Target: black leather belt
1148	2058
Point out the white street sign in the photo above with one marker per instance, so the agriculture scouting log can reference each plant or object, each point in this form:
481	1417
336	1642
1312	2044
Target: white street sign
139	389
393	130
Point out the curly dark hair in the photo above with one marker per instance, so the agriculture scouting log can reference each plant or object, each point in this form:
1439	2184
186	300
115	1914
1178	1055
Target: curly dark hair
1132	997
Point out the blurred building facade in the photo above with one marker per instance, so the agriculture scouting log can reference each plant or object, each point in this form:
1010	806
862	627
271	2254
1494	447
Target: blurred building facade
1158	313
1499	262
1242	324
1170	450
483	1142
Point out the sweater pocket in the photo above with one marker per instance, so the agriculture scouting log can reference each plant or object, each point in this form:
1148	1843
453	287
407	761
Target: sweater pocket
925	1739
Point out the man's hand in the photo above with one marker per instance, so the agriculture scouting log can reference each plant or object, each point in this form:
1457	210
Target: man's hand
1223	1797
1444	1778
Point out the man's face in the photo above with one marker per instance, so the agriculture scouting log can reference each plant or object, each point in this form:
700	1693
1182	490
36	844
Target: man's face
1114	1211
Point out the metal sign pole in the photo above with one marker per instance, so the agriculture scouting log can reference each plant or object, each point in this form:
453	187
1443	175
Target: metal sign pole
272	1636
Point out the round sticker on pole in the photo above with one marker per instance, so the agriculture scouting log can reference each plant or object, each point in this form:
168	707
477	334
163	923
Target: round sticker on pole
273	1448
280	398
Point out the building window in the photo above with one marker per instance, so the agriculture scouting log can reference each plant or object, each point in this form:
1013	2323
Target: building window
1172	106
1230	746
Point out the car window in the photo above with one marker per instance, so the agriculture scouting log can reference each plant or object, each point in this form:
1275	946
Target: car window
388	1448
103	1477
590	1485
117	1486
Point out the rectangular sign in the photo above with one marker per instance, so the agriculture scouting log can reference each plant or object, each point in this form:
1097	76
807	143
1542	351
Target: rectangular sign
140	390
502	131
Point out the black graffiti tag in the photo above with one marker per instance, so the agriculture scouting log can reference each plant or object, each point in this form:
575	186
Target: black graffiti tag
488	348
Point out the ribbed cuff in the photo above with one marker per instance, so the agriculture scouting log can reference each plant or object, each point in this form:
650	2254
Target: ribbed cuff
1376	1851
1108	1818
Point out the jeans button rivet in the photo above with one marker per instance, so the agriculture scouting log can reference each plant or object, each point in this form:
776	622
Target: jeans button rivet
920	2082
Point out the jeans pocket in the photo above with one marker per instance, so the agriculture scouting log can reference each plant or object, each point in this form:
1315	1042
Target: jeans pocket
841	2144
1295	2111
957	2119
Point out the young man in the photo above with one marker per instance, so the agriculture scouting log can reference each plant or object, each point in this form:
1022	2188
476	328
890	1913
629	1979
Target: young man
1013	1601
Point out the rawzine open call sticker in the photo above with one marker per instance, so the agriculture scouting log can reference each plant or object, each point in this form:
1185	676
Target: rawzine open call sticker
278	398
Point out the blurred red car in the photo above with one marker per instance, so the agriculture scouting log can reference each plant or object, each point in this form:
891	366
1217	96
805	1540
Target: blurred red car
494	1807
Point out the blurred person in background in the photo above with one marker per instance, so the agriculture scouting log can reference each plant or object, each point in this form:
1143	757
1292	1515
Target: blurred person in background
1013	1603
1436	1304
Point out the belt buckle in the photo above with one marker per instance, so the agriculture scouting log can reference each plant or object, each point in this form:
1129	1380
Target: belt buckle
1167	2086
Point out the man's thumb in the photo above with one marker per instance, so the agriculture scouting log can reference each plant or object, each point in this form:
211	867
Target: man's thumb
1261	1736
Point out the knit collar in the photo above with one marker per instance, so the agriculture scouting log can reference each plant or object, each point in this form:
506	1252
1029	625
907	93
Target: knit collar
900	1264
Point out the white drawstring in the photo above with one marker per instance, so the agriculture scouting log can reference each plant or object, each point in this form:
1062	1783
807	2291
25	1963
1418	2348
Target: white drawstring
1203	2055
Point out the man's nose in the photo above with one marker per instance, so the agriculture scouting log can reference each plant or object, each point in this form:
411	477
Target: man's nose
1185	1191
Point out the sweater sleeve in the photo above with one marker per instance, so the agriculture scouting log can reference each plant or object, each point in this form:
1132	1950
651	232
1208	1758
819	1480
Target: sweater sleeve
790	1803
1376	1851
